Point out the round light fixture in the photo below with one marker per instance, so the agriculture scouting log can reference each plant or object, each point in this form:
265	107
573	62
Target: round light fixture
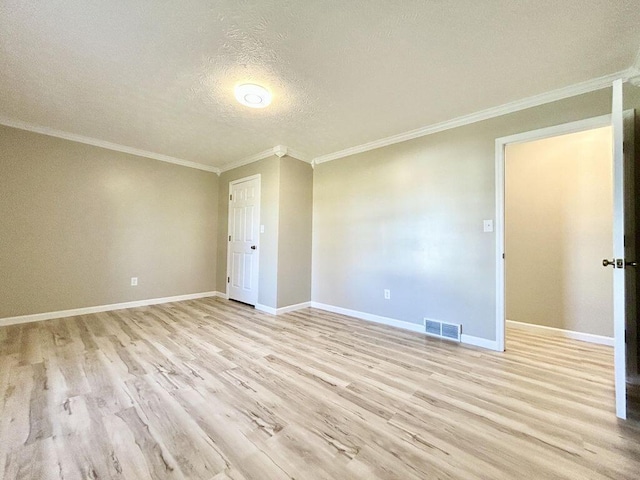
253	96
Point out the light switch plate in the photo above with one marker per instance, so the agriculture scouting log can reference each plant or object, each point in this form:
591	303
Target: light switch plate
261	228
488	226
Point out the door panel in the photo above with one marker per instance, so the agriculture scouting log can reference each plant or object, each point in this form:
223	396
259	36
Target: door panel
249	228
244	219
247	285
236	266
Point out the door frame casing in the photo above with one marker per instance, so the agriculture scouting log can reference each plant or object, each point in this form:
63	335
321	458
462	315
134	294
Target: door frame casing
258	177
501	143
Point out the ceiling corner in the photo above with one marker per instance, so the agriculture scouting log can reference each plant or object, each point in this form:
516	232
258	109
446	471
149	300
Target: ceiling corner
299	156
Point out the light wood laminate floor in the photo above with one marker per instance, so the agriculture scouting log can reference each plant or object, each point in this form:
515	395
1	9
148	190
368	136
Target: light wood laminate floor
208	389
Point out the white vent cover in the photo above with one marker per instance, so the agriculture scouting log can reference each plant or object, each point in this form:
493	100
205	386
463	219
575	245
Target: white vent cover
450	331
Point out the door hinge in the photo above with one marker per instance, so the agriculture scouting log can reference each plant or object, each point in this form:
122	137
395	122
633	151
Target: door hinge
503	256
230	197
228	279
229	237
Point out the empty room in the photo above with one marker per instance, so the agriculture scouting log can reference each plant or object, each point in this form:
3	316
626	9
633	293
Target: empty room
252	240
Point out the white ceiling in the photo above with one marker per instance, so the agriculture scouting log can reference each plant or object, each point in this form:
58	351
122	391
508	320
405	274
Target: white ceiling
159	75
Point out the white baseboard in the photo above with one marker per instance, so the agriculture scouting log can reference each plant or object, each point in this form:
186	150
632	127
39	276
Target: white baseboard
559	332
100	308
414	327
281	310
266	309
221	295
292	308
479	342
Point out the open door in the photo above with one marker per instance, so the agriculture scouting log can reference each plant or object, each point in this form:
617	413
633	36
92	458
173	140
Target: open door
624	259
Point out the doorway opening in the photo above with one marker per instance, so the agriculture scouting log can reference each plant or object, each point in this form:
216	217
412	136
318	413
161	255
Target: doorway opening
555	217
623	245
554	226
503	145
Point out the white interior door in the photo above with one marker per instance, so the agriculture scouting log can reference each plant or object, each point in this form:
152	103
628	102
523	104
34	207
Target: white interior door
624	251
244	231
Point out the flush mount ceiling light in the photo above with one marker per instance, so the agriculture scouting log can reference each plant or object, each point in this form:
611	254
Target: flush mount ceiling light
253	96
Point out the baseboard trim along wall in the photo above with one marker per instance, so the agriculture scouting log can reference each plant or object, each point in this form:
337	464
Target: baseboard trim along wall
37	317
265	309
559	332
221	295
293	308
479	342
392	322
281	310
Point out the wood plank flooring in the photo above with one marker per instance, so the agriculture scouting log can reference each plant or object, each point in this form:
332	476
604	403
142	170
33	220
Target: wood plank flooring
208	389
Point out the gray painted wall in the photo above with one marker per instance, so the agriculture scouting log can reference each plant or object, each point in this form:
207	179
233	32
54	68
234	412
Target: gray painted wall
78	221
408	217
559	219
294	246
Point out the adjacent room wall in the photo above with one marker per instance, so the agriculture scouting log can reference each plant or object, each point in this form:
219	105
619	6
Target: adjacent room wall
294	246
78	221
559	219
409	217
269	170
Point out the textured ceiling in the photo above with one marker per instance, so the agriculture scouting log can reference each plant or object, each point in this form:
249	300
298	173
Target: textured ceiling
158	75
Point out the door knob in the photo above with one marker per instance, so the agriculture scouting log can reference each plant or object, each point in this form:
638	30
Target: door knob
253	247
606	263
631	264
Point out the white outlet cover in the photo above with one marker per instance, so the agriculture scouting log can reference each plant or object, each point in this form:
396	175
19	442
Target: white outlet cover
488	226
261	228
134	281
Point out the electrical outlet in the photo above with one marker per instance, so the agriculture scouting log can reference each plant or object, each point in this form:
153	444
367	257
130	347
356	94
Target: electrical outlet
387	294
134	281
487	226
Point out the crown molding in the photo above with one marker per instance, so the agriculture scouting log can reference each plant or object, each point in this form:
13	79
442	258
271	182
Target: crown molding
104	144
275	151
529	102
